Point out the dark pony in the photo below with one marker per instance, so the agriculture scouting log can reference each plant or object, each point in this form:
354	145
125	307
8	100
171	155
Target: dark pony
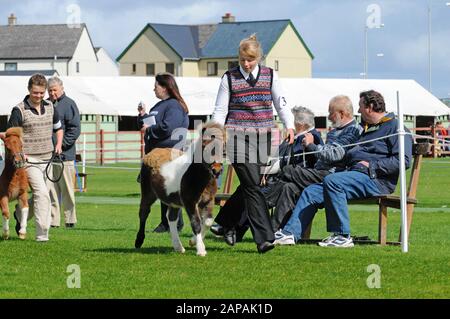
183	180
14	181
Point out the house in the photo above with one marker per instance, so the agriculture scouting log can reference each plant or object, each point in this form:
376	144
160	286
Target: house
211	49
67	49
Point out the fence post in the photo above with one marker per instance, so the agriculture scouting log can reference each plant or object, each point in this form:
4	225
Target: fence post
102	145
433	134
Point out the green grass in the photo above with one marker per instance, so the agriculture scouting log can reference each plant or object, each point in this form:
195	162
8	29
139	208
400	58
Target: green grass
102	245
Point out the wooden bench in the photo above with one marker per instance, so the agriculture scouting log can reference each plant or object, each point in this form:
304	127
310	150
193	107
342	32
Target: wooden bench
384	202
221	198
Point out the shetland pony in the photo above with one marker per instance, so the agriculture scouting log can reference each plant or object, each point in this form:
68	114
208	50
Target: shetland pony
183	180
14	181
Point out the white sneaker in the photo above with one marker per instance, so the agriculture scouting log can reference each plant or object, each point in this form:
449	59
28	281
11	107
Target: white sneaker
278	234
337	241
284	239
327	239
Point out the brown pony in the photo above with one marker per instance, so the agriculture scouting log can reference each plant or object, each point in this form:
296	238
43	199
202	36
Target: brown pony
14	181
183	180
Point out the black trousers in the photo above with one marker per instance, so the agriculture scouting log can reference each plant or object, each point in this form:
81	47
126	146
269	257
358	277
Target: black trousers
294	179
248	152
248	203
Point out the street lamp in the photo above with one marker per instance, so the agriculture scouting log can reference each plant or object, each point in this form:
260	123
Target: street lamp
366	59
429	44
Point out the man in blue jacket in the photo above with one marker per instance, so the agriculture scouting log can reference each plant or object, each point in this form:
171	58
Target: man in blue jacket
372	170
63	189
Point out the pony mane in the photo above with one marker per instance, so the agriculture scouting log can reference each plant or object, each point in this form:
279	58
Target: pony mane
14	131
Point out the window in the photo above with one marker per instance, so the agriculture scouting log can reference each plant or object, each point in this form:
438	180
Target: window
276	65
170	68
150	69
78	67
133	68
10	66
212	68
232	64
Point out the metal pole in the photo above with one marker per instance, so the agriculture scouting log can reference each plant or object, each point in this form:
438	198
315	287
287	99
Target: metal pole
401	140
429	48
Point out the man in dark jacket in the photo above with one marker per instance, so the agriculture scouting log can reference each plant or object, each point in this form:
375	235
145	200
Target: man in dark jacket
63	189
294	179
372	170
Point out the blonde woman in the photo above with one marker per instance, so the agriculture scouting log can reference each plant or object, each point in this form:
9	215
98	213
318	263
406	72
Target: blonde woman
244	106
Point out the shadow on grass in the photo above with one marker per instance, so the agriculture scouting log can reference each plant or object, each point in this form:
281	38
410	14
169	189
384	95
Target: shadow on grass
102	229
149	250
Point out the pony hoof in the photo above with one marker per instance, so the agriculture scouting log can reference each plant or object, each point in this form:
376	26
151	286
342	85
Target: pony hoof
201	254
138	243
6	235
192	242
22	236
180	250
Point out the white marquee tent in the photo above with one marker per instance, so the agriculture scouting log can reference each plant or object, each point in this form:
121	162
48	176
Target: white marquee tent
121	95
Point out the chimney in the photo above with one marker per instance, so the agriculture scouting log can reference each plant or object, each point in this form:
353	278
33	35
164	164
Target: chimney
228	18
12	19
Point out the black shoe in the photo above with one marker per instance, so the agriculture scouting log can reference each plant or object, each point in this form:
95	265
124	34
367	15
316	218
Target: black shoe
217	230
17	228
70	225
54	226
161	228
229	235
265	247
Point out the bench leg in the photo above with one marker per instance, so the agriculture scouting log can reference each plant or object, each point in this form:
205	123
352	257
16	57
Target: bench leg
409	216
382	225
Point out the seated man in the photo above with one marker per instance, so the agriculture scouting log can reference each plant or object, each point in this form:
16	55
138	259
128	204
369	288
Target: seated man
295	179
372	170
304	124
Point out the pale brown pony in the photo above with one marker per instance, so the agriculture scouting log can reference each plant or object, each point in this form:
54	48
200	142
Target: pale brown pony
13	181
183	180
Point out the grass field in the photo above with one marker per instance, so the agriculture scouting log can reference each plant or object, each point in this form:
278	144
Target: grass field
102	245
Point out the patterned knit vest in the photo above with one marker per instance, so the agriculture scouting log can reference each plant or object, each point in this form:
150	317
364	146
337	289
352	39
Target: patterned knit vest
250	107
37	130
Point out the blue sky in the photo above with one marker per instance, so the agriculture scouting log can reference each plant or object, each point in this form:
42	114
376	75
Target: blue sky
332	29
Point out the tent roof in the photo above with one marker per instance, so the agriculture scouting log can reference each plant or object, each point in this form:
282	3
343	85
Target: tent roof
121	95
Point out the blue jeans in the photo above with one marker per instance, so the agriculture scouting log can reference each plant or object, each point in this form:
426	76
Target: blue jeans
333	194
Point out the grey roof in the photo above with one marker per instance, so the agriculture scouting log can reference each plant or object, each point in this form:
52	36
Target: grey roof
38	41
216	40
182	38
225	41
29	73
